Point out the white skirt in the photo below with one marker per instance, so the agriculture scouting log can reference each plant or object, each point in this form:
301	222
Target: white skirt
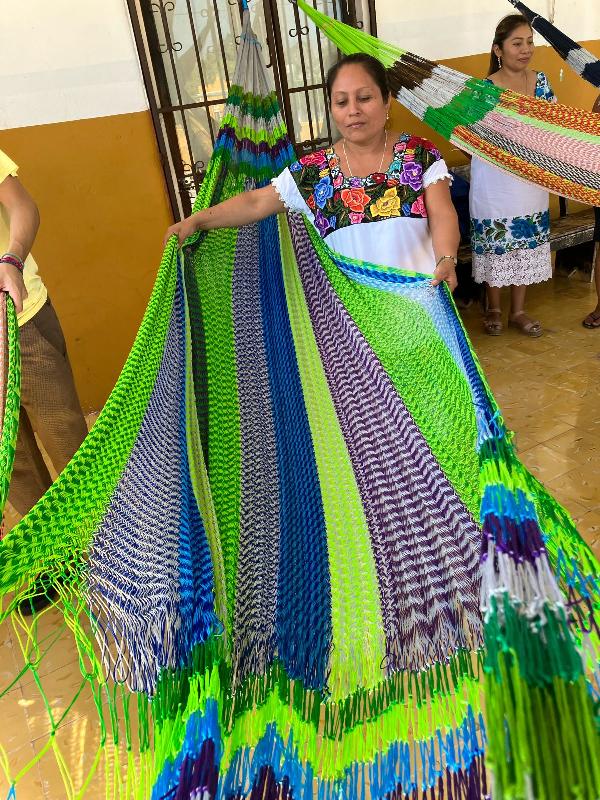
510	228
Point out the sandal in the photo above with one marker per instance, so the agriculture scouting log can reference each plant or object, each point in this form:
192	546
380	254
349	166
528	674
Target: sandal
493	322
592	320
528	327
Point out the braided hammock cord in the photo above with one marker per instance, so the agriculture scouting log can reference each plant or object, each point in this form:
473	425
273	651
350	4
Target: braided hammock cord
554	146
585	64
281	573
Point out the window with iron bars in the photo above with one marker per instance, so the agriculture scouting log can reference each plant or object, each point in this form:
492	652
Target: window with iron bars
188	50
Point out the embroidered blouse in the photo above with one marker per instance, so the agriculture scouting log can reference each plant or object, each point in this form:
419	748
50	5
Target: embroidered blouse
379	218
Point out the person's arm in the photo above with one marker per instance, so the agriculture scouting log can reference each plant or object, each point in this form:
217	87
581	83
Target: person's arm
596	108
24	221
445	234
243	209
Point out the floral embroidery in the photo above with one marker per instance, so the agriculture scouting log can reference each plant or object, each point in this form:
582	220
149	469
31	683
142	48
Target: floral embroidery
418	207
323	191
500	236
316	158
388	205
355	199
324	225
412	175
338	200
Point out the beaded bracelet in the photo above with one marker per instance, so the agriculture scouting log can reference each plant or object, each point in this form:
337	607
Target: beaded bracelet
11	258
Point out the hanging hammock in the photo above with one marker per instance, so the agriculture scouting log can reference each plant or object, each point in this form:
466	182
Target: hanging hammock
297	548
577	57
552	145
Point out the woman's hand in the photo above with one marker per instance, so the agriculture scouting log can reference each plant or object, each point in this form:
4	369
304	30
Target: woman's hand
182	230
11	281
445	271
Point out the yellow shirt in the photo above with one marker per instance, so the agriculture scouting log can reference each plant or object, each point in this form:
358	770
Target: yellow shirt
36	291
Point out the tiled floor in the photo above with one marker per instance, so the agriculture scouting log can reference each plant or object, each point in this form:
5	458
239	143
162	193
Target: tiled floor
548	390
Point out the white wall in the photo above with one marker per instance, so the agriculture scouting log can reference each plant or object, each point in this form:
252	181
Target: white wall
445	29
67	59
75	59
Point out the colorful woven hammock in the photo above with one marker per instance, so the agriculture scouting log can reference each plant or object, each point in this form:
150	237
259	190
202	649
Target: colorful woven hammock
552	145
577	57
9	394
297	546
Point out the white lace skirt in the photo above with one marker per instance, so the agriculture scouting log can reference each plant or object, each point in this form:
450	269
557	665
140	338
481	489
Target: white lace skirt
515	268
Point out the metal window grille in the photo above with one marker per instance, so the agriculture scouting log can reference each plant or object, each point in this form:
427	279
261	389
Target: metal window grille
187	52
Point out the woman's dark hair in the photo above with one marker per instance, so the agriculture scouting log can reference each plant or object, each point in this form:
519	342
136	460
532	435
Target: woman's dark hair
372	65
505	27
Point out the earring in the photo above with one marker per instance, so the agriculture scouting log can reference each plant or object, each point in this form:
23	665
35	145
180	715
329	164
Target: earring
499	62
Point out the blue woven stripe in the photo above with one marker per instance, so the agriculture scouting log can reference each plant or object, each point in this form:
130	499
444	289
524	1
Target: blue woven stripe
459	747
196	606
303	596
134	559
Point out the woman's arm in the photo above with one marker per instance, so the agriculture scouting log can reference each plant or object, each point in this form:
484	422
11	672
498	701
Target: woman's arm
24	221
443	226
243	209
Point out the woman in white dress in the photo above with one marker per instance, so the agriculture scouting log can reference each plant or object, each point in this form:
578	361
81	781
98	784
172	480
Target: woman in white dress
510	220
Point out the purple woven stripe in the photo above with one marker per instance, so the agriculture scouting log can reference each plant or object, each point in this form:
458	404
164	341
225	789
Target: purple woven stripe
262	148
258	557
425	542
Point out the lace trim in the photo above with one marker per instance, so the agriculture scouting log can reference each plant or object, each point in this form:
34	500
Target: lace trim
443	177
517	268
281	197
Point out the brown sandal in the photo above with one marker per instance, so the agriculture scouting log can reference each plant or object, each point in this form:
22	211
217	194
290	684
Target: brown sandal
592	320
493	321
528	327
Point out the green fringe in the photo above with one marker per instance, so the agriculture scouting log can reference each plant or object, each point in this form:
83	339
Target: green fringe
542	649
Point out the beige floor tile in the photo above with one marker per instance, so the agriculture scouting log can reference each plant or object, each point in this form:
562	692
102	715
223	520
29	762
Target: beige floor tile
8	663
580	486
14	724
59	688
580	445
547	464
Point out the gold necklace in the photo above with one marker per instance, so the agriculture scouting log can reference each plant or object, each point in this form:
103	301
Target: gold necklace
380	163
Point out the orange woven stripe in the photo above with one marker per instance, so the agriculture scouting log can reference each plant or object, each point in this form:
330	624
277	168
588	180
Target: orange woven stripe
526	170
553	113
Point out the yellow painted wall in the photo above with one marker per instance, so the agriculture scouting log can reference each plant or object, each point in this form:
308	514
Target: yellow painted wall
572	91
103	204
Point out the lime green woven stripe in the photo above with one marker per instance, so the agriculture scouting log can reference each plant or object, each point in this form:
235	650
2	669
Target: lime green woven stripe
358	635
263	108
199	479
10	421
543	739
411	718
423	371
352	40
580	136
466	108
224	448
271	137
45	540
330	757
